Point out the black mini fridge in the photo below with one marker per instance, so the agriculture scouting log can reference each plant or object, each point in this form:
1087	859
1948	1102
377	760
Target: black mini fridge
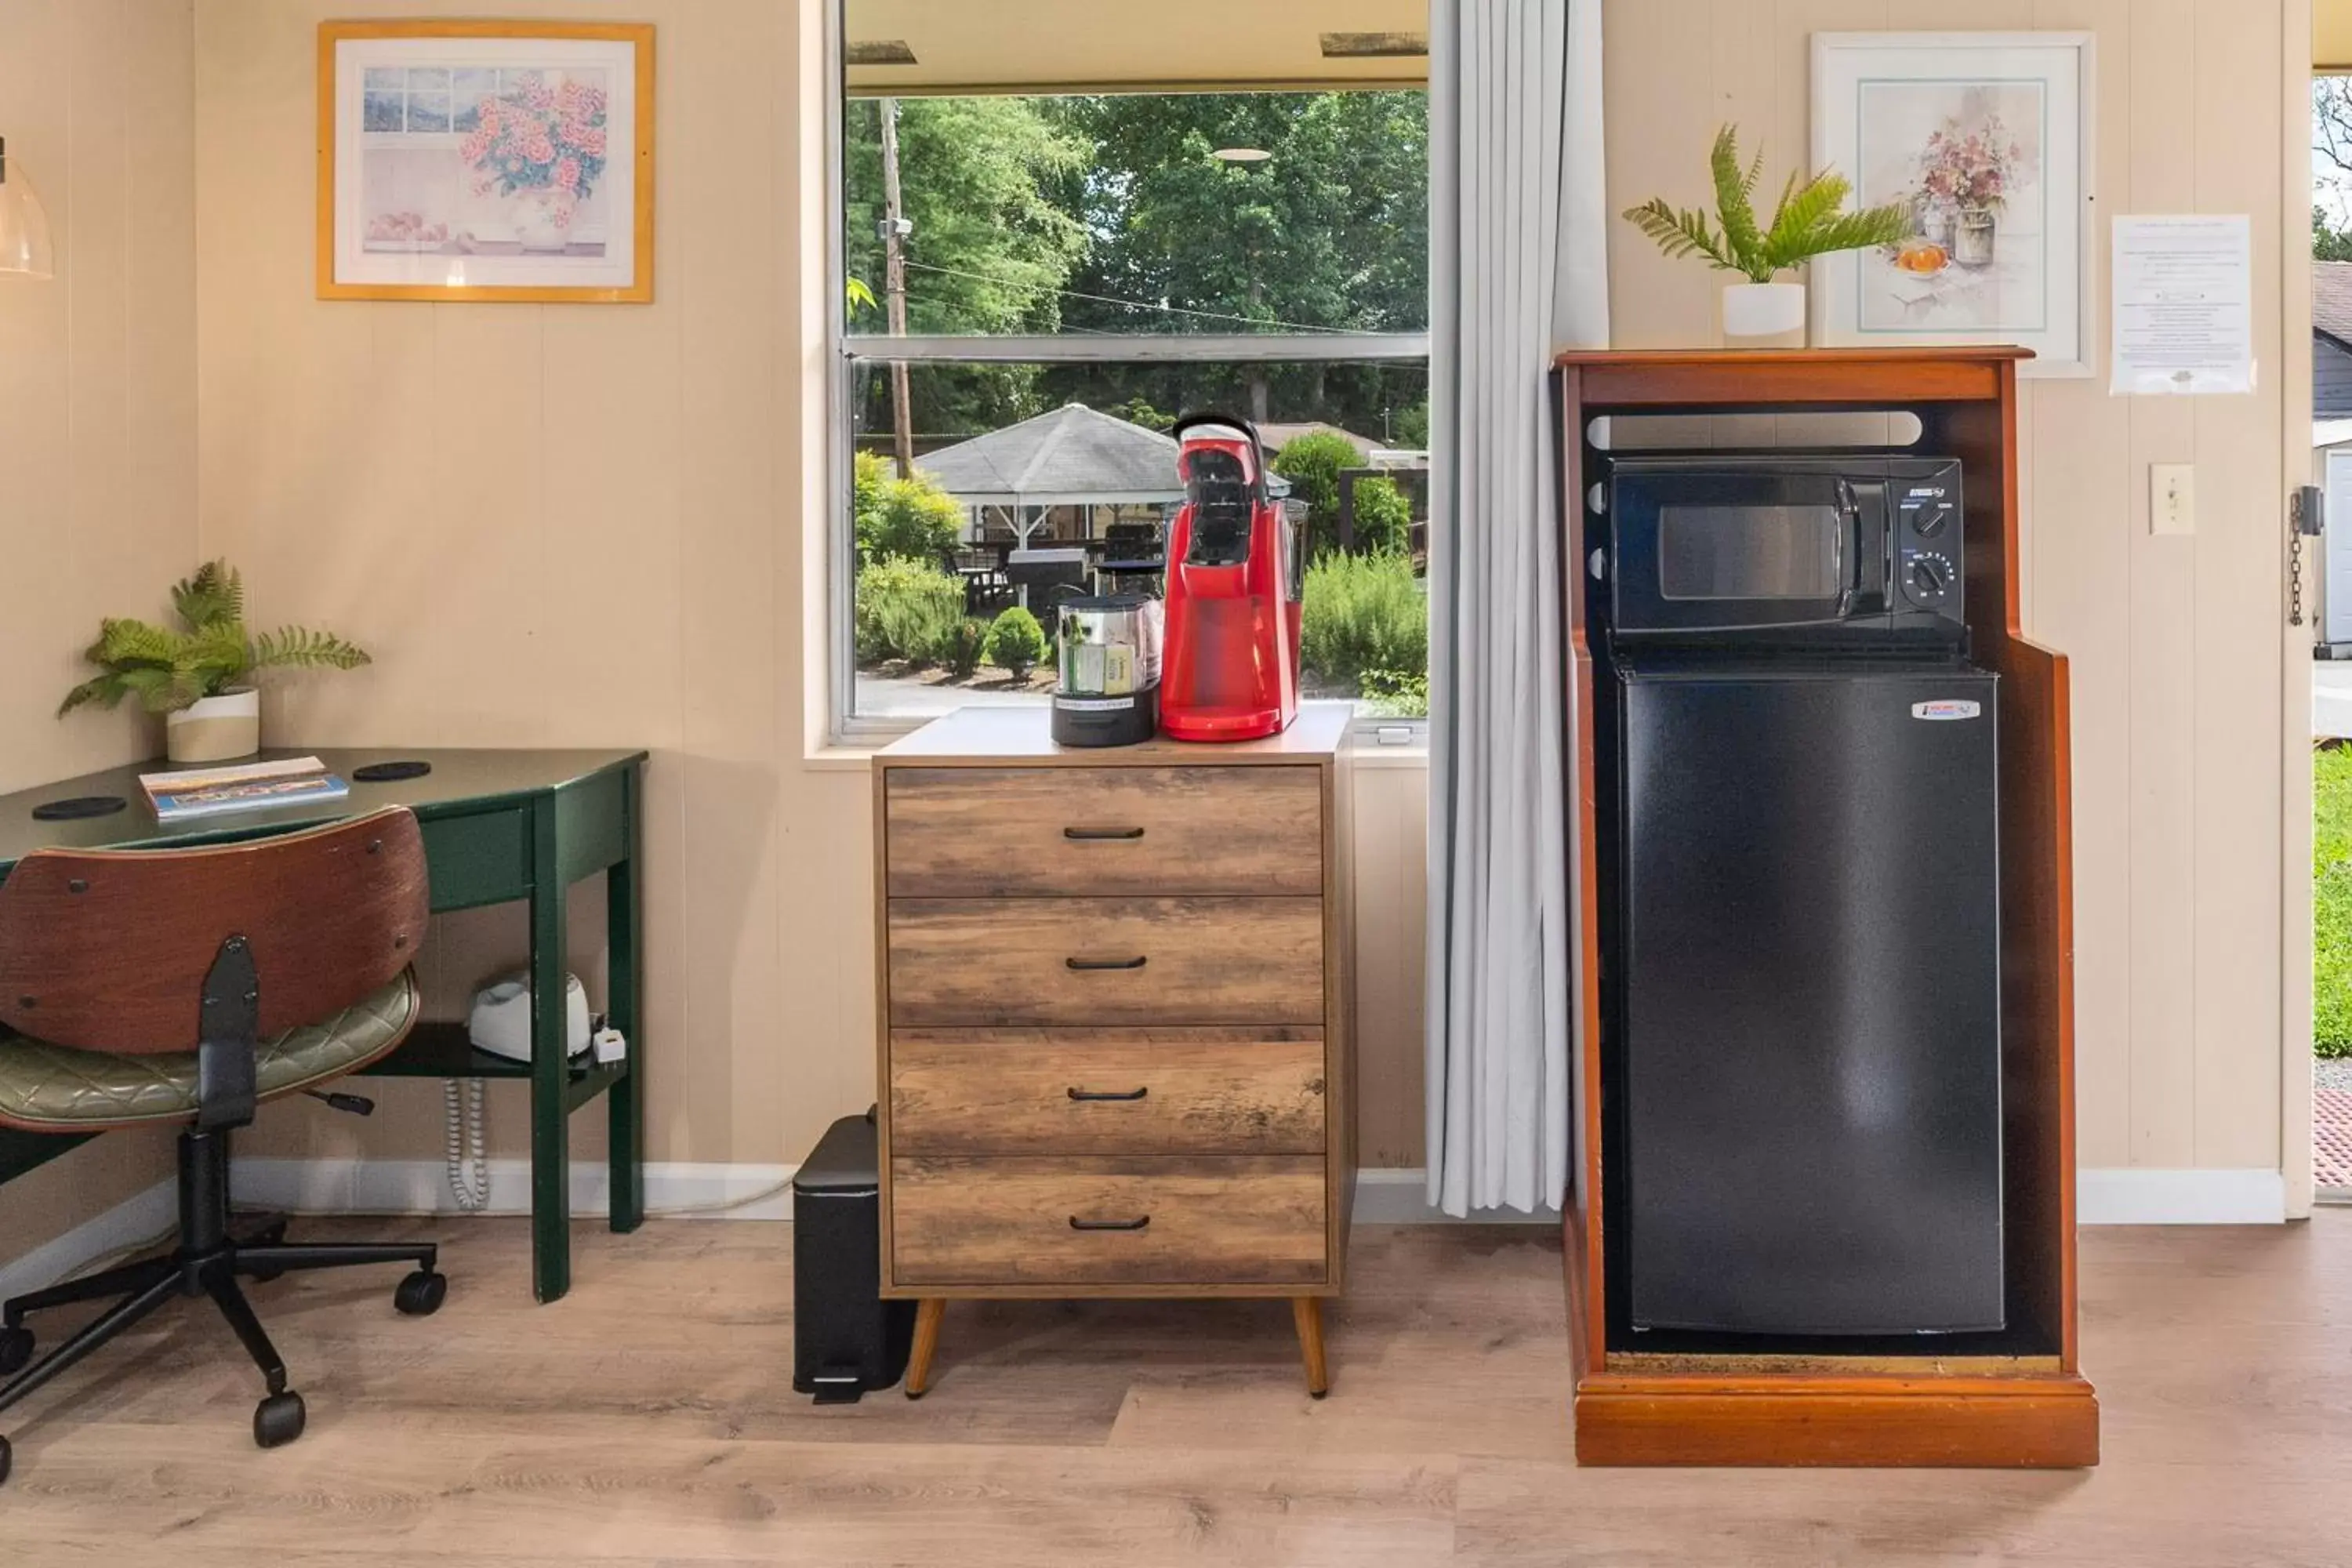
1808	990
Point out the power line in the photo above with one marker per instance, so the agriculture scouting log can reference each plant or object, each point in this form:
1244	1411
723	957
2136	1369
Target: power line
1123	304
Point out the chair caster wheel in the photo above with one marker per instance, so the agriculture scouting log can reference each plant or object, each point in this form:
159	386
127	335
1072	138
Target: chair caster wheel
421	1294
278	1419
15	1350
7	1460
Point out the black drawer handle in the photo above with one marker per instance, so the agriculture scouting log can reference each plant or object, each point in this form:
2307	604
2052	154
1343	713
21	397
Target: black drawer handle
1136	1223
1127	833
1138	962
1082	1094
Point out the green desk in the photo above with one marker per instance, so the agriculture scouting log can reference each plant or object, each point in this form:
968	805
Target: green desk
499	826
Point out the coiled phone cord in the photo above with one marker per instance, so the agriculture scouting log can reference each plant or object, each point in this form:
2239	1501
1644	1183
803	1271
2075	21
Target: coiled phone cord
462	1105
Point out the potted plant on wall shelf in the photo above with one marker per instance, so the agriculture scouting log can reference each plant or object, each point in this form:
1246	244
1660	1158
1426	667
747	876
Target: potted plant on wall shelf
1809	220
200	675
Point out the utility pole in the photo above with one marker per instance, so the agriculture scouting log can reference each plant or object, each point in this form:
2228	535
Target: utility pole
894	230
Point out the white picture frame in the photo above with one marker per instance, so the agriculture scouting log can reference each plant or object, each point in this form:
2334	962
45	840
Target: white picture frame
1988	136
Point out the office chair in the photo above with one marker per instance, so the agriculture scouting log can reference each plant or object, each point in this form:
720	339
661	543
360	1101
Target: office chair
187	986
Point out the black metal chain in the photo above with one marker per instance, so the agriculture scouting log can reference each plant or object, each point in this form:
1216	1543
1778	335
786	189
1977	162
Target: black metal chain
2294	578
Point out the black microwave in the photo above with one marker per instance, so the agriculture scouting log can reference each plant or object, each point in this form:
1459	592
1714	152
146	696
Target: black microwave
1747	544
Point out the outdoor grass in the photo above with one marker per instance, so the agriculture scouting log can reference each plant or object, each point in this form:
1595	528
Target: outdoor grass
2331	894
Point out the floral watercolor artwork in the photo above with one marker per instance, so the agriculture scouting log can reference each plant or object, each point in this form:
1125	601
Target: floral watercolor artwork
1966	157
468	163
1985	140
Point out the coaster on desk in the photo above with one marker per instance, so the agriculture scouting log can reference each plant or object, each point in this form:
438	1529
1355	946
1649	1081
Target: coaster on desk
390	773
74	807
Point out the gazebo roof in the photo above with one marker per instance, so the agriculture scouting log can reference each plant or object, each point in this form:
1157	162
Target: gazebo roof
1072	456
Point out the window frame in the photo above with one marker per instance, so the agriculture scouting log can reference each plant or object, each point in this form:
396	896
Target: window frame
847	352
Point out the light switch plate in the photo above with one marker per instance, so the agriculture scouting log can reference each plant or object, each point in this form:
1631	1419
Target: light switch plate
2171	497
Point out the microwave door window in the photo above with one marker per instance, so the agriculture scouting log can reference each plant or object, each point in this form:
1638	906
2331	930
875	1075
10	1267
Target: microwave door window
1746	553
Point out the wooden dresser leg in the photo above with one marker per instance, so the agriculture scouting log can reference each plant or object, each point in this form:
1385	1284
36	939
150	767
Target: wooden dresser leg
1308	1312
927	1313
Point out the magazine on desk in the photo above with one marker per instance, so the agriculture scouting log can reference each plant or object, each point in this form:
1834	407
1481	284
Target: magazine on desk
192	793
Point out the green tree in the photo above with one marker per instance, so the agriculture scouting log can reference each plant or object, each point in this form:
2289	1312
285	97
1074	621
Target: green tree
990	251
1016	643
2328	243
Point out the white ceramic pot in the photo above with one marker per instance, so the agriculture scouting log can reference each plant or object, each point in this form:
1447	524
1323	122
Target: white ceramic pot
215	729
1764	315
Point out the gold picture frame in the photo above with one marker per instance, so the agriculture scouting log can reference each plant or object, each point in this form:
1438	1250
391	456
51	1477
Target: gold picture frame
401	104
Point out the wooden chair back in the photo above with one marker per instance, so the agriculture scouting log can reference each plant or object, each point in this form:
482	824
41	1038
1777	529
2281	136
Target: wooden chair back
107	949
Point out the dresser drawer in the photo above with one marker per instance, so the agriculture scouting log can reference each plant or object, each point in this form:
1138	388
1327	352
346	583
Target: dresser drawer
1107	1092
986	832
1100	962
1189	1222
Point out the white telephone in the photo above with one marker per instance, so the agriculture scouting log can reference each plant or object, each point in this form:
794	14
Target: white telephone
500	1022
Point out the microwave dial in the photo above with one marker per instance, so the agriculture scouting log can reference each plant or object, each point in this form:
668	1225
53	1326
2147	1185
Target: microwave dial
1928	578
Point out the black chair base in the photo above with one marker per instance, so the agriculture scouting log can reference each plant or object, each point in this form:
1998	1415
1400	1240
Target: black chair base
208	1261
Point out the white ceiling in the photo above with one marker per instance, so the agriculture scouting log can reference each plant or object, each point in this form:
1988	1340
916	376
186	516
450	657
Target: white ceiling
1075	44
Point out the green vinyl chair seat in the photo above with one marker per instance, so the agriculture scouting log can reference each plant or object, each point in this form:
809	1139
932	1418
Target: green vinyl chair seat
47	1088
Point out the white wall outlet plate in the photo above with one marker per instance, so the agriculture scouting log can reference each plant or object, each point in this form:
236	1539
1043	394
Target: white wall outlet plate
2171	497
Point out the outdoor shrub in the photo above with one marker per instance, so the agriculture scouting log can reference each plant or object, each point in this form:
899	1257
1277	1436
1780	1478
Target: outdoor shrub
1363	613
913	518
1383	517
1312	465
965	645
1397	693
1016	642
2331	880
905	609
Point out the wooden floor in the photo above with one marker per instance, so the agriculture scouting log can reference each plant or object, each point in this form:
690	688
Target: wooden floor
649	1419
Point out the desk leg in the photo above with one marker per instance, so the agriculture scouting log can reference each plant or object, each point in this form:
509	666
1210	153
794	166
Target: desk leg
624	936
550	1150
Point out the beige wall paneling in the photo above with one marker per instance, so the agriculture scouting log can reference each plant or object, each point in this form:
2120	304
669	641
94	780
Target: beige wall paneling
2177	674
98	407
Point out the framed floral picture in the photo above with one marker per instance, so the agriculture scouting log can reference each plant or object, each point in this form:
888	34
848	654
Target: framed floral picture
462	159
1986	139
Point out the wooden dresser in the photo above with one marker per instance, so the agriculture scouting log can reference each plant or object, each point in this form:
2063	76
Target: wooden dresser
1115	1038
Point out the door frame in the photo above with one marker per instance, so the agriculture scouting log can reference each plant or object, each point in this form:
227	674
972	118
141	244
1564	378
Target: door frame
2296	69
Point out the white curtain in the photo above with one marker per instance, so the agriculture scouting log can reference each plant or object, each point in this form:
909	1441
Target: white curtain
1520	270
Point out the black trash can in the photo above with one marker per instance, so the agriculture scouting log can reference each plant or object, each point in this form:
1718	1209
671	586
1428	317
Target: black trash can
846	1338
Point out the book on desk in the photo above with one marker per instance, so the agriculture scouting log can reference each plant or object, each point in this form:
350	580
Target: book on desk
188	794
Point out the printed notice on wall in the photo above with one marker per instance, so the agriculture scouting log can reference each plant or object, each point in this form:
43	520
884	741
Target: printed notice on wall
2184	299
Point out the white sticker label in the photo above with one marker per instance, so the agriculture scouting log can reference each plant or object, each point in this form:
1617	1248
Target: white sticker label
1946	708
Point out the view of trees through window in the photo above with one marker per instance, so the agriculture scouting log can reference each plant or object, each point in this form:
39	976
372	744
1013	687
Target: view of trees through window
1302	216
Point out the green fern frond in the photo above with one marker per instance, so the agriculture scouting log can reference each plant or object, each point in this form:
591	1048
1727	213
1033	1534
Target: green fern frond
101	691
159	691
1679	233
1806	222
1736	212
295	648
137	642
213	595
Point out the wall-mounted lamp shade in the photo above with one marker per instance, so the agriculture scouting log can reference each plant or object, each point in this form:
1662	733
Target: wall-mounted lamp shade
24	226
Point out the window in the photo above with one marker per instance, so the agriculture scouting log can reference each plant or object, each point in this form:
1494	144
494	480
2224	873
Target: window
1034	285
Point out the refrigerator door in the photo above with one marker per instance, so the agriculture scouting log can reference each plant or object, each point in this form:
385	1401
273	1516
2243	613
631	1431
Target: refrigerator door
1811	1000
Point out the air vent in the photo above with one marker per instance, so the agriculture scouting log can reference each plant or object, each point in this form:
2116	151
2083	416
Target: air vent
880	52
1374	45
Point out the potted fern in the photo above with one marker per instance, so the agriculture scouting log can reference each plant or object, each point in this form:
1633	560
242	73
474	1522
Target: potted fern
199	674
1808	221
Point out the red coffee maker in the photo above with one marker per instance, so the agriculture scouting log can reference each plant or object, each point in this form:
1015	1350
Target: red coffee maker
1236	572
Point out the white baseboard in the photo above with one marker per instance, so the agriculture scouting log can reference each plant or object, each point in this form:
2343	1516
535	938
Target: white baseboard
673	1190
1400	1195
131	1223
2135	1196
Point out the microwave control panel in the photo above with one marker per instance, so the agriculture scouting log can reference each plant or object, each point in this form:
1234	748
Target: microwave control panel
1925	562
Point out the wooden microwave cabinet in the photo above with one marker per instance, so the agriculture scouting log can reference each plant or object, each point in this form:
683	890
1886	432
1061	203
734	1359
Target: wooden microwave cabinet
1114	1021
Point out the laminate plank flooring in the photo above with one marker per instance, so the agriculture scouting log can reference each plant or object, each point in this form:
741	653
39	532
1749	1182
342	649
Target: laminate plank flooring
649	1419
